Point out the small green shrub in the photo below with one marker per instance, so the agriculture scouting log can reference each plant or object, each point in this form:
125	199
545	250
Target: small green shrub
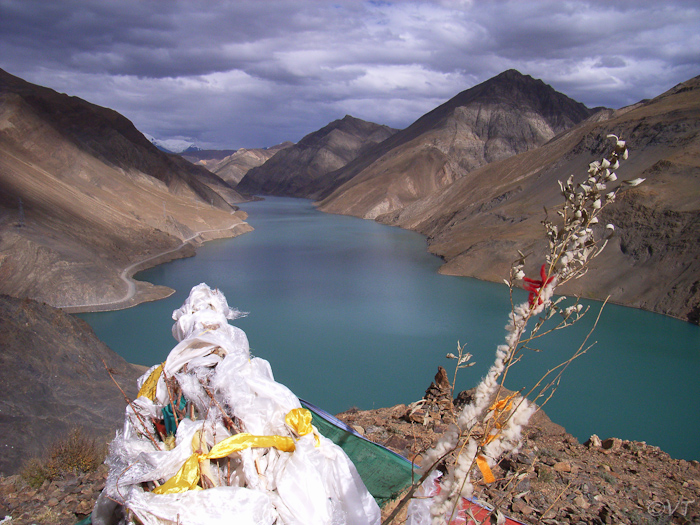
545	475
73	453
33	472
607	477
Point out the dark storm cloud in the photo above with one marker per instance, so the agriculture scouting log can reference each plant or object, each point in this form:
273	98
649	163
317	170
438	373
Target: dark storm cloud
254	73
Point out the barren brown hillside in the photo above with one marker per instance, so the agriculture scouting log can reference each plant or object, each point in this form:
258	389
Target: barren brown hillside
233	168
653	262
506	115
83	195
301	169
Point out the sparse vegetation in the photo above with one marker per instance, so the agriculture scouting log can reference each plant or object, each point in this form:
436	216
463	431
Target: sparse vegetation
545	475
491	425
33	472
71	453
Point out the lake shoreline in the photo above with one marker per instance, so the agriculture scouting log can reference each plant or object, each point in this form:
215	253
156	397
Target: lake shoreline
360	300
139	292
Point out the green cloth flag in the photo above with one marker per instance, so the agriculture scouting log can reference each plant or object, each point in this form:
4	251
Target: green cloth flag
385	473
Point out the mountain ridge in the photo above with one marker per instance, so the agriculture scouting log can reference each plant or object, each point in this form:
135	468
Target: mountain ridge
477	225
235	166
500	117
83	194
299	170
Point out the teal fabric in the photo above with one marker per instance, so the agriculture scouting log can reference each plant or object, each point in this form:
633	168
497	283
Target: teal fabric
169	417
385	473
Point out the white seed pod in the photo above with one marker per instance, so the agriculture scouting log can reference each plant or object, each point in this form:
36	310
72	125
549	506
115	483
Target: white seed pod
610	227
612	177
596	204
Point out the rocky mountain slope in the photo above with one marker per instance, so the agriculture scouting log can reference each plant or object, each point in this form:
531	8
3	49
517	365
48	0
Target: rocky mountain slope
300	170
561	481
54	377
477	223
506	115
233	168
83	195
207	157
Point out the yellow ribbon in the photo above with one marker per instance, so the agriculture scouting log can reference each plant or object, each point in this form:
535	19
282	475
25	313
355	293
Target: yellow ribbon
299	420
485	469
148	389
189	474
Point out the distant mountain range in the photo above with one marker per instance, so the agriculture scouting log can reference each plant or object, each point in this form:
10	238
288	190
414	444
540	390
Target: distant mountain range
474	174
506	115
173	145
301	170
83	194
232	168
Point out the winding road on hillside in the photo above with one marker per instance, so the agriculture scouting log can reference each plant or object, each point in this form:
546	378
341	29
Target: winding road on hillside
126	276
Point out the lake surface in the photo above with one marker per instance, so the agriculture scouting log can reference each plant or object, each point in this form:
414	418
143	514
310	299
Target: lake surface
353	313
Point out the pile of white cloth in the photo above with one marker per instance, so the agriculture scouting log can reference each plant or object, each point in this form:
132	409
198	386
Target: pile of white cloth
244	450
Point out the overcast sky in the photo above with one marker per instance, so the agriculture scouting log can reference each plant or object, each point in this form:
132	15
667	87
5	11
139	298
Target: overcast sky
256	73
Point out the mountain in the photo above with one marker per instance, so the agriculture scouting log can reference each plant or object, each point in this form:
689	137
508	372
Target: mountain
173	145
83	195
477	223
207	157
297	170
54	377
234	167
506	115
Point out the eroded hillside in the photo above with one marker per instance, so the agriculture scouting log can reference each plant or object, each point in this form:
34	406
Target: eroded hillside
653	262
83	195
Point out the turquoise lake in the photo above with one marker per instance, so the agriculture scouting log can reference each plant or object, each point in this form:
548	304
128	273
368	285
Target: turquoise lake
353	313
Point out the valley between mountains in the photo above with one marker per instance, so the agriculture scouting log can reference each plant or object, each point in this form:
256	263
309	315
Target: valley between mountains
85	198
476	174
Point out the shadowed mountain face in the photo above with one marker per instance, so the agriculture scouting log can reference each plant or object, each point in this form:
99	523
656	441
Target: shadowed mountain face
233	168
506	115
84	194
53	372
477	223
301	169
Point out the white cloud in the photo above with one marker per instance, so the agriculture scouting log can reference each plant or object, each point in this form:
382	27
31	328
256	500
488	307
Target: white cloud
251	74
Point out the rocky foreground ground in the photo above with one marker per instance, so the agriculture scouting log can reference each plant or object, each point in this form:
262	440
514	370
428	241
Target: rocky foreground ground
602	481
565	482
